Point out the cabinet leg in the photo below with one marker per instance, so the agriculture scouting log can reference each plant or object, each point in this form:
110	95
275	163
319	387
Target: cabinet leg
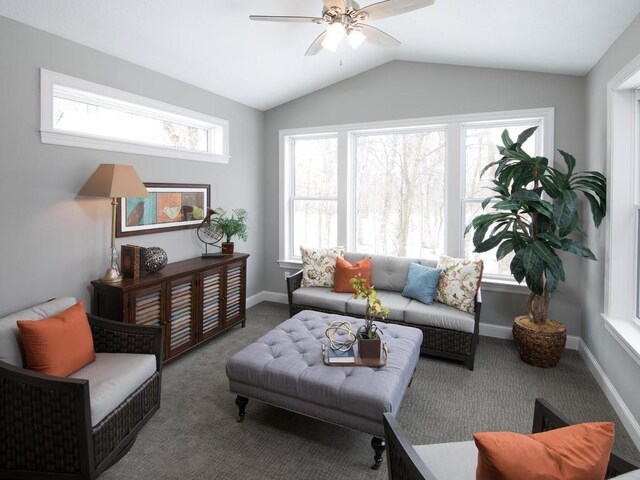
241	402
244	322
378	445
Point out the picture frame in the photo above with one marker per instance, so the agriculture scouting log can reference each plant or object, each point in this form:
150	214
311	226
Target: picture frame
169	207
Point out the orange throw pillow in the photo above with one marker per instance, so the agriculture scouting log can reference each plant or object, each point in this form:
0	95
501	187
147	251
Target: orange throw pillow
577	452
345	272
59	345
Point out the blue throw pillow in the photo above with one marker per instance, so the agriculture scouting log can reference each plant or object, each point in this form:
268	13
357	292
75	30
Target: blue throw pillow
421	283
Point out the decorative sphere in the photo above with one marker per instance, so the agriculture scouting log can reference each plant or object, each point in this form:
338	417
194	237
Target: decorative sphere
155	260
341	336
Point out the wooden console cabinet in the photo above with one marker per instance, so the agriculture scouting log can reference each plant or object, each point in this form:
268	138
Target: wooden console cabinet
194	300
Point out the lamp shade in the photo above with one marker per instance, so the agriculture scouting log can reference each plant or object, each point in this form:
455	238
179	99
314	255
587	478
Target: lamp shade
114	181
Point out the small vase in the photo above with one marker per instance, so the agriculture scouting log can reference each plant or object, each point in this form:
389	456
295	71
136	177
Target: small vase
227	248
369	348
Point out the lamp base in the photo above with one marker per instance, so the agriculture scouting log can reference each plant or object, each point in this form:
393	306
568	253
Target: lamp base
112	275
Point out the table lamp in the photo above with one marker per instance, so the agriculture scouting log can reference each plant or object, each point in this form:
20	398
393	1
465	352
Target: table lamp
114	181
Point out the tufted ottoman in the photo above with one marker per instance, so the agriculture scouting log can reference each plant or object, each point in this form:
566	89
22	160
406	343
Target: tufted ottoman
285	368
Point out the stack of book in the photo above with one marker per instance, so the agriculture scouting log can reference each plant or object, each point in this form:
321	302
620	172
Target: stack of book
342	358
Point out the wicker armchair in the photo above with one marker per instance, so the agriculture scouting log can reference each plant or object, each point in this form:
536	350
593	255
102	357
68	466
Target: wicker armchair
46	430
405	463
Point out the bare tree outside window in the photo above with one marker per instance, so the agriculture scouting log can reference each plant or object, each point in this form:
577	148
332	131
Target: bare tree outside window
400	193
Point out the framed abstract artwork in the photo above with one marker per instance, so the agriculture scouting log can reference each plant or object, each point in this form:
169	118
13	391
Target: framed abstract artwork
169	206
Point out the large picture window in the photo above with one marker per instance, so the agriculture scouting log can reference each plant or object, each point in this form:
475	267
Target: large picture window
404	188
79	113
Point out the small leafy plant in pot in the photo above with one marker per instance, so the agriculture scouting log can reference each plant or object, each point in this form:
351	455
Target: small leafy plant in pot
368	335
232	226
535	212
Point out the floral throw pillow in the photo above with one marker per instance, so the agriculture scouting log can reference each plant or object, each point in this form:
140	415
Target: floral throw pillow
319	266
459	283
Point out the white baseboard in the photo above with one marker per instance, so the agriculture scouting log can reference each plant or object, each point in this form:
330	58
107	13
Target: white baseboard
616	401
266	296
502	331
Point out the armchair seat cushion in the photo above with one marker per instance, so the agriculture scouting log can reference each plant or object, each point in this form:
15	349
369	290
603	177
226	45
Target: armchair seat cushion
450	460
439	315
112	378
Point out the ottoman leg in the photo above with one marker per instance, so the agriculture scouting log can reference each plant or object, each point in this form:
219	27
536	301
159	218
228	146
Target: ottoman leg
378	445
241	402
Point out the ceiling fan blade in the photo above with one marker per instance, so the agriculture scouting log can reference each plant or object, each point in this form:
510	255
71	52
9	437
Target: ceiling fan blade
276	18
316	46
378	37
389	8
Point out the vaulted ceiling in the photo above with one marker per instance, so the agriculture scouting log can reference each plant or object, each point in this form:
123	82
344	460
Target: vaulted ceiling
212	44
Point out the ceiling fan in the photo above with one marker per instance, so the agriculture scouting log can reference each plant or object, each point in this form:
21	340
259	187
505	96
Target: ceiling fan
344	19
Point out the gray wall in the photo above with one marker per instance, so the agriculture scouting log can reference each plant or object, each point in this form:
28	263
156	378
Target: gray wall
400	90
52	243
621	369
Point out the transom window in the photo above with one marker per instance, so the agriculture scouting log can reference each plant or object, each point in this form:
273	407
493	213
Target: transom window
80	113
404	188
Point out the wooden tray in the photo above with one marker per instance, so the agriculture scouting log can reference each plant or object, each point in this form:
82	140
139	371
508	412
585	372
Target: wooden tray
360	362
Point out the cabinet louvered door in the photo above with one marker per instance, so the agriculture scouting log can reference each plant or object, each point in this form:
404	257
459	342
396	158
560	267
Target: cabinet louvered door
234	292
146	306
181	331
211	294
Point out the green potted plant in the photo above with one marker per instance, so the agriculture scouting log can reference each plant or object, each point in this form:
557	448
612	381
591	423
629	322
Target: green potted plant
230	226
535	212
369	342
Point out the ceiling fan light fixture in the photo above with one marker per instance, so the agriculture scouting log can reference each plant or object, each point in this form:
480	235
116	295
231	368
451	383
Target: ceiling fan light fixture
356	37
335	34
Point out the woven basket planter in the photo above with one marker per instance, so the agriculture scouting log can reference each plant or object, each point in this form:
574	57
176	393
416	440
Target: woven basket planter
539	348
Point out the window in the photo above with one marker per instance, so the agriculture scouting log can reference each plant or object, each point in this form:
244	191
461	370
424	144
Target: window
622	284
399	192
404	188
314	198
75	112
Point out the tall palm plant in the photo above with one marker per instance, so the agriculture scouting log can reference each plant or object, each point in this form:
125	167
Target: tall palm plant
535	211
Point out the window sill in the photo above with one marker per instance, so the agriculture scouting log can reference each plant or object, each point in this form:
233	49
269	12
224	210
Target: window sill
626	333
86	141
488	284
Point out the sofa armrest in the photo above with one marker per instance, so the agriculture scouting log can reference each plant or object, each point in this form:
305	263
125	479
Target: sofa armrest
117	337
293	283
39	415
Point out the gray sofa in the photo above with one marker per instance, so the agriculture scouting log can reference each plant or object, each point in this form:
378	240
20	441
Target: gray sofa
447	331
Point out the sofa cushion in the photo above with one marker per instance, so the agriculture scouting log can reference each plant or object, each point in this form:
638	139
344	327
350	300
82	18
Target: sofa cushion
10	344
388	272
345	271
394	301
459	282
319	265
450	460
58	345
421	283
439	315
112	378
322	297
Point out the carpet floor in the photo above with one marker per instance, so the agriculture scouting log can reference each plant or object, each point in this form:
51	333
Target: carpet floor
194	435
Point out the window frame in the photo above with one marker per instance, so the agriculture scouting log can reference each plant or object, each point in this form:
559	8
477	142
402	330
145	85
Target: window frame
291	189
623	197
454	174
54	84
